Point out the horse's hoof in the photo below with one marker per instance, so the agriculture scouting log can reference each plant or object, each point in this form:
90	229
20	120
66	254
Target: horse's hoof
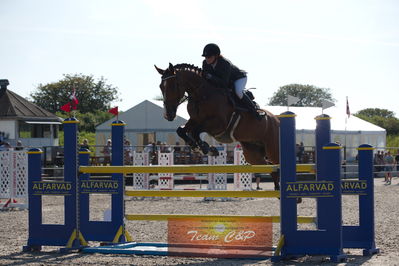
213	151
192	145
298	200
204	147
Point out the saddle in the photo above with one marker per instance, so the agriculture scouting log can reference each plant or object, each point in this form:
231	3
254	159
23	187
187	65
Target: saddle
238	104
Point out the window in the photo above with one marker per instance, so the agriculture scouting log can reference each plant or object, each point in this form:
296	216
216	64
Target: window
24	130
27	130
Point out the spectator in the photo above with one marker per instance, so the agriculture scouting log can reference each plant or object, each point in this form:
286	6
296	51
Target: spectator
128	152
2	145
379	162
297	152
19	146
85	144
149	147
301	152
375	163
177	153
158	146
5	146
397	163
107	152
152	153
177	147
389	163
165	147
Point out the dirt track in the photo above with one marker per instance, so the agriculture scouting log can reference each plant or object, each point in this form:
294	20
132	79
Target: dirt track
13	230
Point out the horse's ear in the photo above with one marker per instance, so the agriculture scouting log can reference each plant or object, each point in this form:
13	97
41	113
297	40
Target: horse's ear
160	71
171	68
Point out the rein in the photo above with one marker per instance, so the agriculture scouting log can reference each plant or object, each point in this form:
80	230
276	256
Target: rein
173	76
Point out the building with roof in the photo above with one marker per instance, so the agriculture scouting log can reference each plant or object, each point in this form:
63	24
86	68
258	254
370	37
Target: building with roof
22	120
146	124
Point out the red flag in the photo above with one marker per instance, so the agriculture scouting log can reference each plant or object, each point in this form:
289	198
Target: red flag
348	112
74	100
114	111
66	107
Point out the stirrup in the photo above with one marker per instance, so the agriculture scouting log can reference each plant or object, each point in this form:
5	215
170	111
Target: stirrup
257	115
261	112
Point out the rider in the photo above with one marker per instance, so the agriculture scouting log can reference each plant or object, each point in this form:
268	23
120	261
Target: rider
221	72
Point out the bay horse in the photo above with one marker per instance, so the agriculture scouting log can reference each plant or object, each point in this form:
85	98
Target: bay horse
212	111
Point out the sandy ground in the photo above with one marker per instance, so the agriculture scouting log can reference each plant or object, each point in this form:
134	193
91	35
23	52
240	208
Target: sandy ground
14	233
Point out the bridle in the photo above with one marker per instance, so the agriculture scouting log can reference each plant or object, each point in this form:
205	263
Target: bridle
166	78
184	98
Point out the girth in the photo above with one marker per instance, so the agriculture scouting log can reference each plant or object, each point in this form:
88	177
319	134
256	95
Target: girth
227	135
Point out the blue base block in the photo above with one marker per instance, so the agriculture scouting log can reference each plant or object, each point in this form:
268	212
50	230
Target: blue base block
339	258
163	249
370	252
157	249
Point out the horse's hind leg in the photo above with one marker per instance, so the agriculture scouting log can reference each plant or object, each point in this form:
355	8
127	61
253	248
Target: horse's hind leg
255	154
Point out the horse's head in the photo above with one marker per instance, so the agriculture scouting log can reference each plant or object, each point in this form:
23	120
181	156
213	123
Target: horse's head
171	92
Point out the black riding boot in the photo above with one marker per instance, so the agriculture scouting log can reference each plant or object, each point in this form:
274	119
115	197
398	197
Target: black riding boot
249	104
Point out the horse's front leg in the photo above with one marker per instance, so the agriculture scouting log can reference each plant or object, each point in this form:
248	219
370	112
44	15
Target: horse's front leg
191	134
184	132
203	145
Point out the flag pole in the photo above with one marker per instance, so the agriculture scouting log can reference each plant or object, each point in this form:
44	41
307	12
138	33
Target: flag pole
346	123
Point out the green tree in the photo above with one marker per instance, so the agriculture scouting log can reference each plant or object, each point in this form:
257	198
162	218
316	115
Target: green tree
382	118
93	95
393	141
308	95
90	136
373	112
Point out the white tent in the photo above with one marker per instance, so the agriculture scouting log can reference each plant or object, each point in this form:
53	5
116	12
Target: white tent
348	131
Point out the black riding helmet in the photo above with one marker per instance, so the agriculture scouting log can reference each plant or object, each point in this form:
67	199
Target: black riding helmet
211	49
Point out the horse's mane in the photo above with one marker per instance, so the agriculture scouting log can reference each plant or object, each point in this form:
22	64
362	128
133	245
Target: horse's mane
189	68
199	73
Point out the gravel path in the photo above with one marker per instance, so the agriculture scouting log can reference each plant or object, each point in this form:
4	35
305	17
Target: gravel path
13	230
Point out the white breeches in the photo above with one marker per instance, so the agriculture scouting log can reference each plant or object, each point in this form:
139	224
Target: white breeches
239	87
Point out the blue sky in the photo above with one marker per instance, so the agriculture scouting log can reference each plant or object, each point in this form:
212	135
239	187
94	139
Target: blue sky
349	46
